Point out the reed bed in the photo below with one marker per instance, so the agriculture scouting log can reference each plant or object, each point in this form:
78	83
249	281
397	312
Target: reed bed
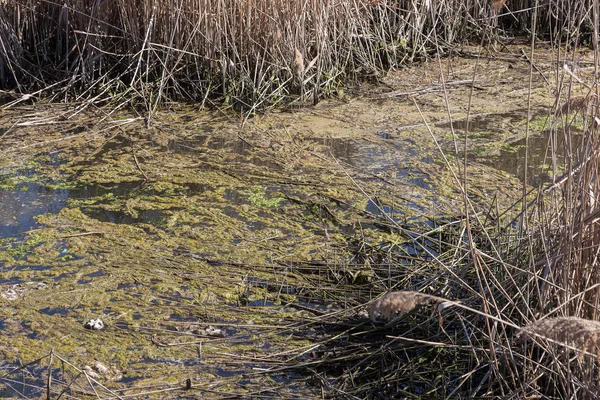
246	54
525	283
524	297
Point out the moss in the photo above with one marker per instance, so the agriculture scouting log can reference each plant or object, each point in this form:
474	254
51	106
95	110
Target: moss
539	123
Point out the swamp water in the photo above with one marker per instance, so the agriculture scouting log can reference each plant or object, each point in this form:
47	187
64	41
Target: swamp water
223	259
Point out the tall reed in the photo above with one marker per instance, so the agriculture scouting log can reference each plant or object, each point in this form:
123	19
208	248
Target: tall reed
243	52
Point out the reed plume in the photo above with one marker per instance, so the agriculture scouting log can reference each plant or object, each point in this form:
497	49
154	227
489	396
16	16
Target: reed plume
583	334
396	304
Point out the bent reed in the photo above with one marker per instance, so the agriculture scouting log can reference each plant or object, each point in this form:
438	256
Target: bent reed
247	54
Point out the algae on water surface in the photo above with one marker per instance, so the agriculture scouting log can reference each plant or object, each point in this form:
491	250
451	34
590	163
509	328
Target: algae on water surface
273	233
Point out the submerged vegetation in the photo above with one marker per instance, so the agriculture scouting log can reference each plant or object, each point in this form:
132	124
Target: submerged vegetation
433	234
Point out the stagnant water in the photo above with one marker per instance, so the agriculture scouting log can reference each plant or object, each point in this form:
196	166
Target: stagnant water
228	255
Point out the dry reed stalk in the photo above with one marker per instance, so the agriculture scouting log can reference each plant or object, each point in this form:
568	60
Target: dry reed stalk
583	334
396	304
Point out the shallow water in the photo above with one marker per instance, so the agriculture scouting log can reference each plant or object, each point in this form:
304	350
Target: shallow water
275	232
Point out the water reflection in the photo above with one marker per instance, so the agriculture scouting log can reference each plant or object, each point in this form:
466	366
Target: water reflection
20	207
512	160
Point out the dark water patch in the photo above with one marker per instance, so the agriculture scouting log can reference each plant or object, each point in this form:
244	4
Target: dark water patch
117	144
32	268
188	146
251	224
19	207
129	285
236	146
122	325
223	372
62	276
95	274
364	155
27	381
270	286
254	225
136	316
260	303
495	122
393	157
376	208
30	333
54	311
182	318
512	158
200	143
102	190
195	188
129	380
241	150
312	304
152	217
13	280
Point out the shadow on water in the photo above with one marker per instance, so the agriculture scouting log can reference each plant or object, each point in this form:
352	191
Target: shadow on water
23	202
511	157
494	122
240	149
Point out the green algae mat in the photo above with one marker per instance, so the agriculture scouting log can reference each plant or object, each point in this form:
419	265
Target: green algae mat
223	255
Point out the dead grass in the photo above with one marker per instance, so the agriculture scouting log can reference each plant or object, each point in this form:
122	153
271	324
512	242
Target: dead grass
245	54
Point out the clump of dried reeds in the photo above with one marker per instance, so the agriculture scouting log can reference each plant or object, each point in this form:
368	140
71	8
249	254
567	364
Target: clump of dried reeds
243	53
